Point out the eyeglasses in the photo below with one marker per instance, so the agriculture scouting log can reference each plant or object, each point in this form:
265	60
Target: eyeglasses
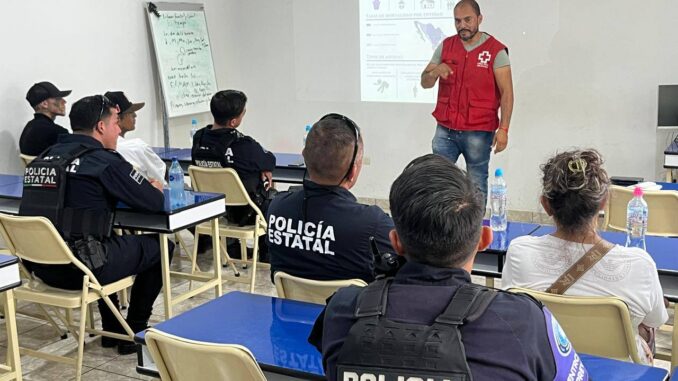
106	103
350	124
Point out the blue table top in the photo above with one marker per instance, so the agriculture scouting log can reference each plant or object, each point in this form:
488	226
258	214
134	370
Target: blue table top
601	368
13	190
663	250
184	154
502	239
11	179
191	199
669	186
275	330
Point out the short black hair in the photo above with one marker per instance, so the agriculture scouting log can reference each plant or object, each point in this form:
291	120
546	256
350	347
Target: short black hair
226	105
437	211
472	3
85	112
329	148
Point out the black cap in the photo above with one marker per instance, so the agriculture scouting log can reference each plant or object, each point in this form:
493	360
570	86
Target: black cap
119	98
44	90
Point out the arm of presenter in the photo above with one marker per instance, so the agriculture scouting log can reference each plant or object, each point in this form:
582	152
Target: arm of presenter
504	82
432	73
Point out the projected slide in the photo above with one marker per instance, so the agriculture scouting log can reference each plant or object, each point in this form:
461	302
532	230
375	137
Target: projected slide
397	39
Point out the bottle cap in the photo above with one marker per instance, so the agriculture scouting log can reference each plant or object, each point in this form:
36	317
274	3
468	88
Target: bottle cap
174	158
308	127
498	172
194	121
637	191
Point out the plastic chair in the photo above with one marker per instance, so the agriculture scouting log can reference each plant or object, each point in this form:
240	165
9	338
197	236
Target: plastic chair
595	325
662	211
36	240
26	159
180	359
307	290
227	181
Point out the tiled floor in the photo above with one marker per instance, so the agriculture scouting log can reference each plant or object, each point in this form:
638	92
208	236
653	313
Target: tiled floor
105	364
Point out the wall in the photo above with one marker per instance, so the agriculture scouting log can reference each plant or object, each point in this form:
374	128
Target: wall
585	74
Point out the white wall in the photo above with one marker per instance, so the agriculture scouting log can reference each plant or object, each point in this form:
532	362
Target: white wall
585	74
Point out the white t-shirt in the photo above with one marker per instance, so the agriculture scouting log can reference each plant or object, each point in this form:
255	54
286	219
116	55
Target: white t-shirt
142	157
626	272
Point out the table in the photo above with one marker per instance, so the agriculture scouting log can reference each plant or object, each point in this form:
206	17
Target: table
274	329
10	279
289	167
282	327
200	207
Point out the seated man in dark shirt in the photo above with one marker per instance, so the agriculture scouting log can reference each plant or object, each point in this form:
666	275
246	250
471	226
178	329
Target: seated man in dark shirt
97	181
41	132
430	321
221	145
322	232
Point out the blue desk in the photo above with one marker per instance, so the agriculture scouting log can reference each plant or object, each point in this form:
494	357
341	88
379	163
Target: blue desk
669	186
289	167
276	331
10	179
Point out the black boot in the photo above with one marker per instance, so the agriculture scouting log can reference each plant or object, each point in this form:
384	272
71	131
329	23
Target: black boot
128	347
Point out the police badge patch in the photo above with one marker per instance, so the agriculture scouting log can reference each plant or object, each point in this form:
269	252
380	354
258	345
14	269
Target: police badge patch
136	176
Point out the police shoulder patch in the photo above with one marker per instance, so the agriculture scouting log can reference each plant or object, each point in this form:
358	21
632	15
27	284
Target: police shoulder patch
136	176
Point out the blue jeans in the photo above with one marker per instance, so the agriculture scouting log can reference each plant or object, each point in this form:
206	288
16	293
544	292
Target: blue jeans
476	147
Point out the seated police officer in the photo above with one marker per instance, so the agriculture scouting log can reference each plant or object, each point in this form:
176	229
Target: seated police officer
430	321
221	145
322	232
41	132
82	208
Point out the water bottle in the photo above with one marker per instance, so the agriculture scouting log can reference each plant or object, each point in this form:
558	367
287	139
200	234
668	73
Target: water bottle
176	183
194	128
636	220
306	131
498	202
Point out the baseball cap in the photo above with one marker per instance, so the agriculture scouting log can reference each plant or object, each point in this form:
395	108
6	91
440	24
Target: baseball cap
119	98
44	90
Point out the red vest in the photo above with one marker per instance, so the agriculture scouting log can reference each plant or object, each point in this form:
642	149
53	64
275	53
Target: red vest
469	98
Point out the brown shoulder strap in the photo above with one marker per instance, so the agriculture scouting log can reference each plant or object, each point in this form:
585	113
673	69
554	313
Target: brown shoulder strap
579	268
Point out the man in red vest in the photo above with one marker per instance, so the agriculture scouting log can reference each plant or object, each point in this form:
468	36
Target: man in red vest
474	75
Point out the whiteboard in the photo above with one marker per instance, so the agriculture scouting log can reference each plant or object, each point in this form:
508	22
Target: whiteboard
183	56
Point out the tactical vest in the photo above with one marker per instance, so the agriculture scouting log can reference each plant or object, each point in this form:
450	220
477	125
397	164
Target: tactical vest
378	348
44	194
210	154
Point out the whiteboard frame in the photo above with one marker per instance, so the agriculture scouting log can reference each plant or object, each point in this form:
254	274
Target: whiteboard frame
165	6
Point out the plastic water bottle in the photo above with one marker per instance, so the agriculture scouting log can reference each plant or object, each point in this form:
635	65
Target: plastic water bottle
636	220
176	183
498	219
306	131
194	128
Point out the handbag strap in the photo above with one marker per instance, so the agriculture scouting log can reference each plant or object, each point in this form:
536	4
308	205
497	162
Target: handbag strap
579	268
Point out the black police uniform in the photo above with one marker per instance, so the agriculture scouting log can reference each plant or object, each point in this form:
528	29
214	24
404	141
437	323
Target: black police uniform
322	233
97	181
39	133
514	338
229	148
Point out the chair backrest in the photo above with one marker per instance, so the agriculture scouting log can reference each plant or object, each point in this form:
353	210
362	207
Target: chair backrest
307	290
662	211
220	180
595	325
35	239
26	159
179	359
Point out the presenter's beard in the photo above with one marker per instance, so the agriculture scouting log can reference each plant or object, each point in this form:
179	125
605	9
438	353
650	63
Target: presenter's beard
467	37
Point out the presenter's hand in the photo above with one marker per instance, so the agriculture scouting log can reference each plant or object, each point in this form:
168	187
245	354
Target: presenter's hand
500	140
267	177
443	70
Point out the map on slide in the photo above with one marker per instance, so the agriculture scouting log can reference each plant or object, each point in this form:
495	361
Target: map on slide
397	40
